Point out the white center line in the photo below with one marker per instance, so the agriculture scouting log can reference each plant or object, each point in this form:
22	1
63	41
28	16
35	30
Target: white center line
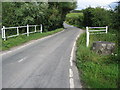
22	59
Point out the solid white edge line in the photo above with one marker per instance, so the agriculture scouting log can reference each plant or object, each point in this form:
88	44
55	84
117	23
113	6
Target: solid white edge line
71	63
71	83
70	73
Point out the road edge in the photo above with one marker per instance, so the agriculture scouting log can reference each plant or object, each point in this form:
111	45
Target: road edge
73	68
13	49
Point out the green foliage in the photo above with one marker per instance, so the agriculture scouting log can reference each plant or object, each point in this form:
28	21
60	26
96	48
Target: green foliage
97	71
75	19
50	14
116	18
96	17
88	16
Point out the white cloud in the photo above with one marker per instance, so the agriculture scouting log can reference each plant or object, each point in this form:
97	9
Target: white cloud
93	3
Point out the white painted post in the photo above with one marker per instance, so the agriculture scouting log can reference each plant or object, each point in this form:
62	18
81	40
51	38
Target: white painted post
35	28
17	31
106	29
87	41
27	30
41	28
2	33
4	37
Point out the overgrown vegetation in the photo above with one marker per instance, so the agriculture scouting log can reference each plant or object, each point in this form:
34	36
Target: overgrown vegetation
95	17
50	14
97	71
12	42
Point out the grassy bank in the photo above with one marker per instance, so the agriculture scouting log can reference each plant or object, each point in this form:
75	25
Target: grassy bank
97	71
75	19
15	41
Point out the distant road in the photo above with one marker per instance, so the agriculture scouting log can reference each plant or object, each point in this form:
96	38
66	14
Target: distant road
43	64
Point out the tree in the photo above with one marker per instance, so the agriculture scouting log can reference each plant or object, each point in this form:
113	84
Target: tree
88	16
96	17
50	14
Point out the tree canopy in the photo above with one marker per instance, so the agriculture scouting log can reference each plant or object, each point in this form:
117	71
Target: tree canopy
50	14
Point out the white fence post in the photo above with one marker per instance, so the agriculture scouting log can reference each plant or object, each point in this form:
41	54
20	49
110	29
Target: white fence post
27	30
17	31
35	28
41	28
87	32
106	29
2	32
4	37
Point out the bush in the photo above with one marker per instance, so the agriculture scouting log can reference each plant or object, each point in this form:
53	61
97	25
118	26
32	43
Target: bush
96	17
50	14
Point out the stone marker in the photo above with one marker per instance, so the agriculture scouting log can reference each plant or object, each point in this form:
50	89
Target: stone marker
103	47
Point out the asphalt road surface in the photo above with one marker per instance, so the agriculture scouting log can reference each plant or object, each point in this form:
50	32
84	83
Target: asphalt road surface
43	64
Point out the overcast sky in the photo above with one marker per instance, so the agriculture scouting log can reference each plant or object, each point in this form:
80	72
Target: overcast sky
82	4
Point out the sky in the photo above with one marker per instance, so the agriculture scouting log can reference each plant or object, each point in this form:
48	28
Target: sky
82	4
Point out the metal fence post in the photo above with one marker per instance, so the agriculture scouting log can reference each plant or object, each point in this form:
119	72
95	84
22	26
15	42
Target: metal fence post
4	37
87	41
17	31
35	28
41	28
27	30
106	29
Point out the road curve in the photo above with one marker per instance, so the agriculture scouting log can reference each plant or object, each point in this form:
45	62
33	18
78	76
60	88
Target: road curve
43	64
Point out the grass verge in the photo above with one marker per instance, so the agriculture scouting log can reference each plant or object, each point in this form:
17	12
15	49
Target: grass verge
97	71
15	41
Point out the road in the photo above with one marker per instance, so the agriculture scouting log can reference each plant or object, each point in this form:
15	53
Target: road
43	64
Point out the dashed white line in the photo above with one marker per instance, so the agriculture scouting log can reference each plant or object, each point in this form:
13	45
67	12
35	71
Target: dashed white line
70	73
22	59
71	63
71	83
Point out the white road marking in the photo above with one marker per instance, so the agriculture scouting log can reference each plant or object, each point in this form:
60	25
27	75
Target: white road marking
70	73
71	64
22	59
71	83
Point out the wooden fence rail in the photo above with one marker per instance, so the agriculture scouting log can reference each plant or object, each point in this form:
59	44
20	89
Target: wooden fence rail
3	30
88	32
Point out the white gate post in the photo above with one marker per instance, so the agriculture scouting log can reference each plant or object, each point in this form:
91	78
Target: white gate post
35	28
17	31
4	37
87	34
2	32
106	29
41	28
27	30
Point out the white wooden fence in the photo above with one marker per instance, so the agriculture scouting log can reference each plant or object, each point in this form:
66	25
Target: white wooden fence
88	32
17	28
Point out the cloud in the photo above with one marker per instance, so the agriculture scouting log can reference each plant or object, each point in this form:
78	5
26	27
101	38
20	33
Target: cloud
82	4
